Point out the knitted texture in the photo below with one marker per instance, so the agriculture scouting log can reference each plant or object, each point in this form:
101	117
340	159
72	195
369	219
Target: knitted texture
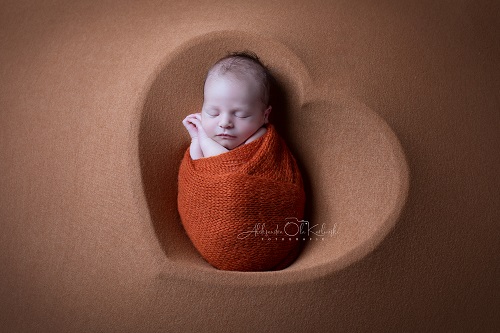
254	187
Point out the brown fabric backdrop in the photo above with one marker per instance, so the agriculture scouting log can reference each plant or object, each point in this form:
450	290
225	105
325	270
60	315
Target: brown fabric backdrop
392	108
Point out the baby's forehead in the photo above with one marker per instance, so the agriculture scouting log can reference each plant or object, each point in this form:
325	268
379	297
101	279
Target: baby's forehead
247	78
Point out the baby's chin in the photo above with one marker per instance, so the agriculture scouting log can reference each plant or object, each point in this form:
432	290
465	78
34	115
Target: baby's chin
229	144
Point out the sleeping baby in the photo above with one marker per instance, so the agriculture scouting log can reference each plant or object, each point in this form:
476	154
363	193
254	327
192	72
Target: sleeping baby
238	185
235	108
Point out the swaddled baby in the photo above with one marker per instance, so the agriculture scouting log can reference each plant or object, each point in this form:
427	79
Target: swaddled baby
240	190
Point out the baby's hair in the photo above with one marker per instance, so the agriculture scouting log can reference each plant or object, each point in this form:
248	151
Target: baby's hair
241	64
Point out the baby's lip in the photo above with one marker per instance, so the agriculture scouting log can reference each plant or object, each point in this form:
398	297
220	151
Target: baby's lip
226	135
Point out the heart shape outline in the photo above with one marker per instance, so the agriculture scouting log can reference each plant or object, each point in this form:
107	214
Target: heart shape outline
175	255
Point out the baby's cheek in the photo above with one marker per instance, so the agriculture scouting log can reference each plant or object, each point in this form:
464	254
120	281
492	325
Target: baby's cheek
208	128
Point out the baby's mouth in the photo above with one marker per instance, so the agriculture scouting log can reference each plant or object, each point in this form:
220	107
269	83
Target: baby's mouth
226	136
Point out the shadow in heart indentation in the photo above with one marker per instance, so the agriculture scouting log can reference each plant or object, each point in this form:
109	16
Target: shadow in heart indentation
355	174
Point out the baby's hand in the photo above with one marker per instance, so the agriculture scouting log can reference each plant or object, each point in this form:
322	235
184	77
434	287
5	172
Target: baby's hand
196	120
190	125
209	147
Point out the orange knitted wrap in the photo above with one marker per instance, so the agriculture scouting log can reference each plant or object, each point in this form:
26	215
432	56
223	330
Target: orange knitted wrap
235	206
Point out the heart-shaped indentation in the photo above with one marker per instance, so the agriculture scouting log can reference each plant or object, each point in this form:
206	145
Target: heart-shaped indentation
354	169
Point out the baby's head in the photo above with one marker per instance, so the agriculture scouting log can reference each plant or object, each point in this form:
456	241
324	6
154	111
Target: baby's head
236	98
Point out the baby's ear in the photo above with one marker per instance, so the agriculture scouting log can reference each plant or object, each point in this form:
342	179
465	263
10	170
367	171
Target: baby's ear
266	113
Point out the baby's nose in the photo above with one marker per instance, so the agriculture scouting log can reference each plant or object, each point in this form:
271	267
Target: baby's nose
225	123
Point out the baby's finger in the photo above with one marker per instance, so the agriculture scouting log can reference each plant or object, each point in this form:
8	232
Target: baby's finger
189	119
190	116
195	121
189	124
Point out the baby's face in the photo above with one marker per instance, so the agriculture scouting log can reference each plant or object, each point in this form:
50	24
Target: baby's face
233	107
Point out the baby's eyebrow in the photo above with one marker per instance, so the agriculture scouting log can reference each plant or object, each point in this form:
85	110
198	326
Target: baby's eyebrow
237	108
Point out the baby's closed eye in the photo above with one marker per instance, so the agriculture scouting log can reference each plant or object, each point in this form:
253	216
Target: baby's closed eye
212	113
